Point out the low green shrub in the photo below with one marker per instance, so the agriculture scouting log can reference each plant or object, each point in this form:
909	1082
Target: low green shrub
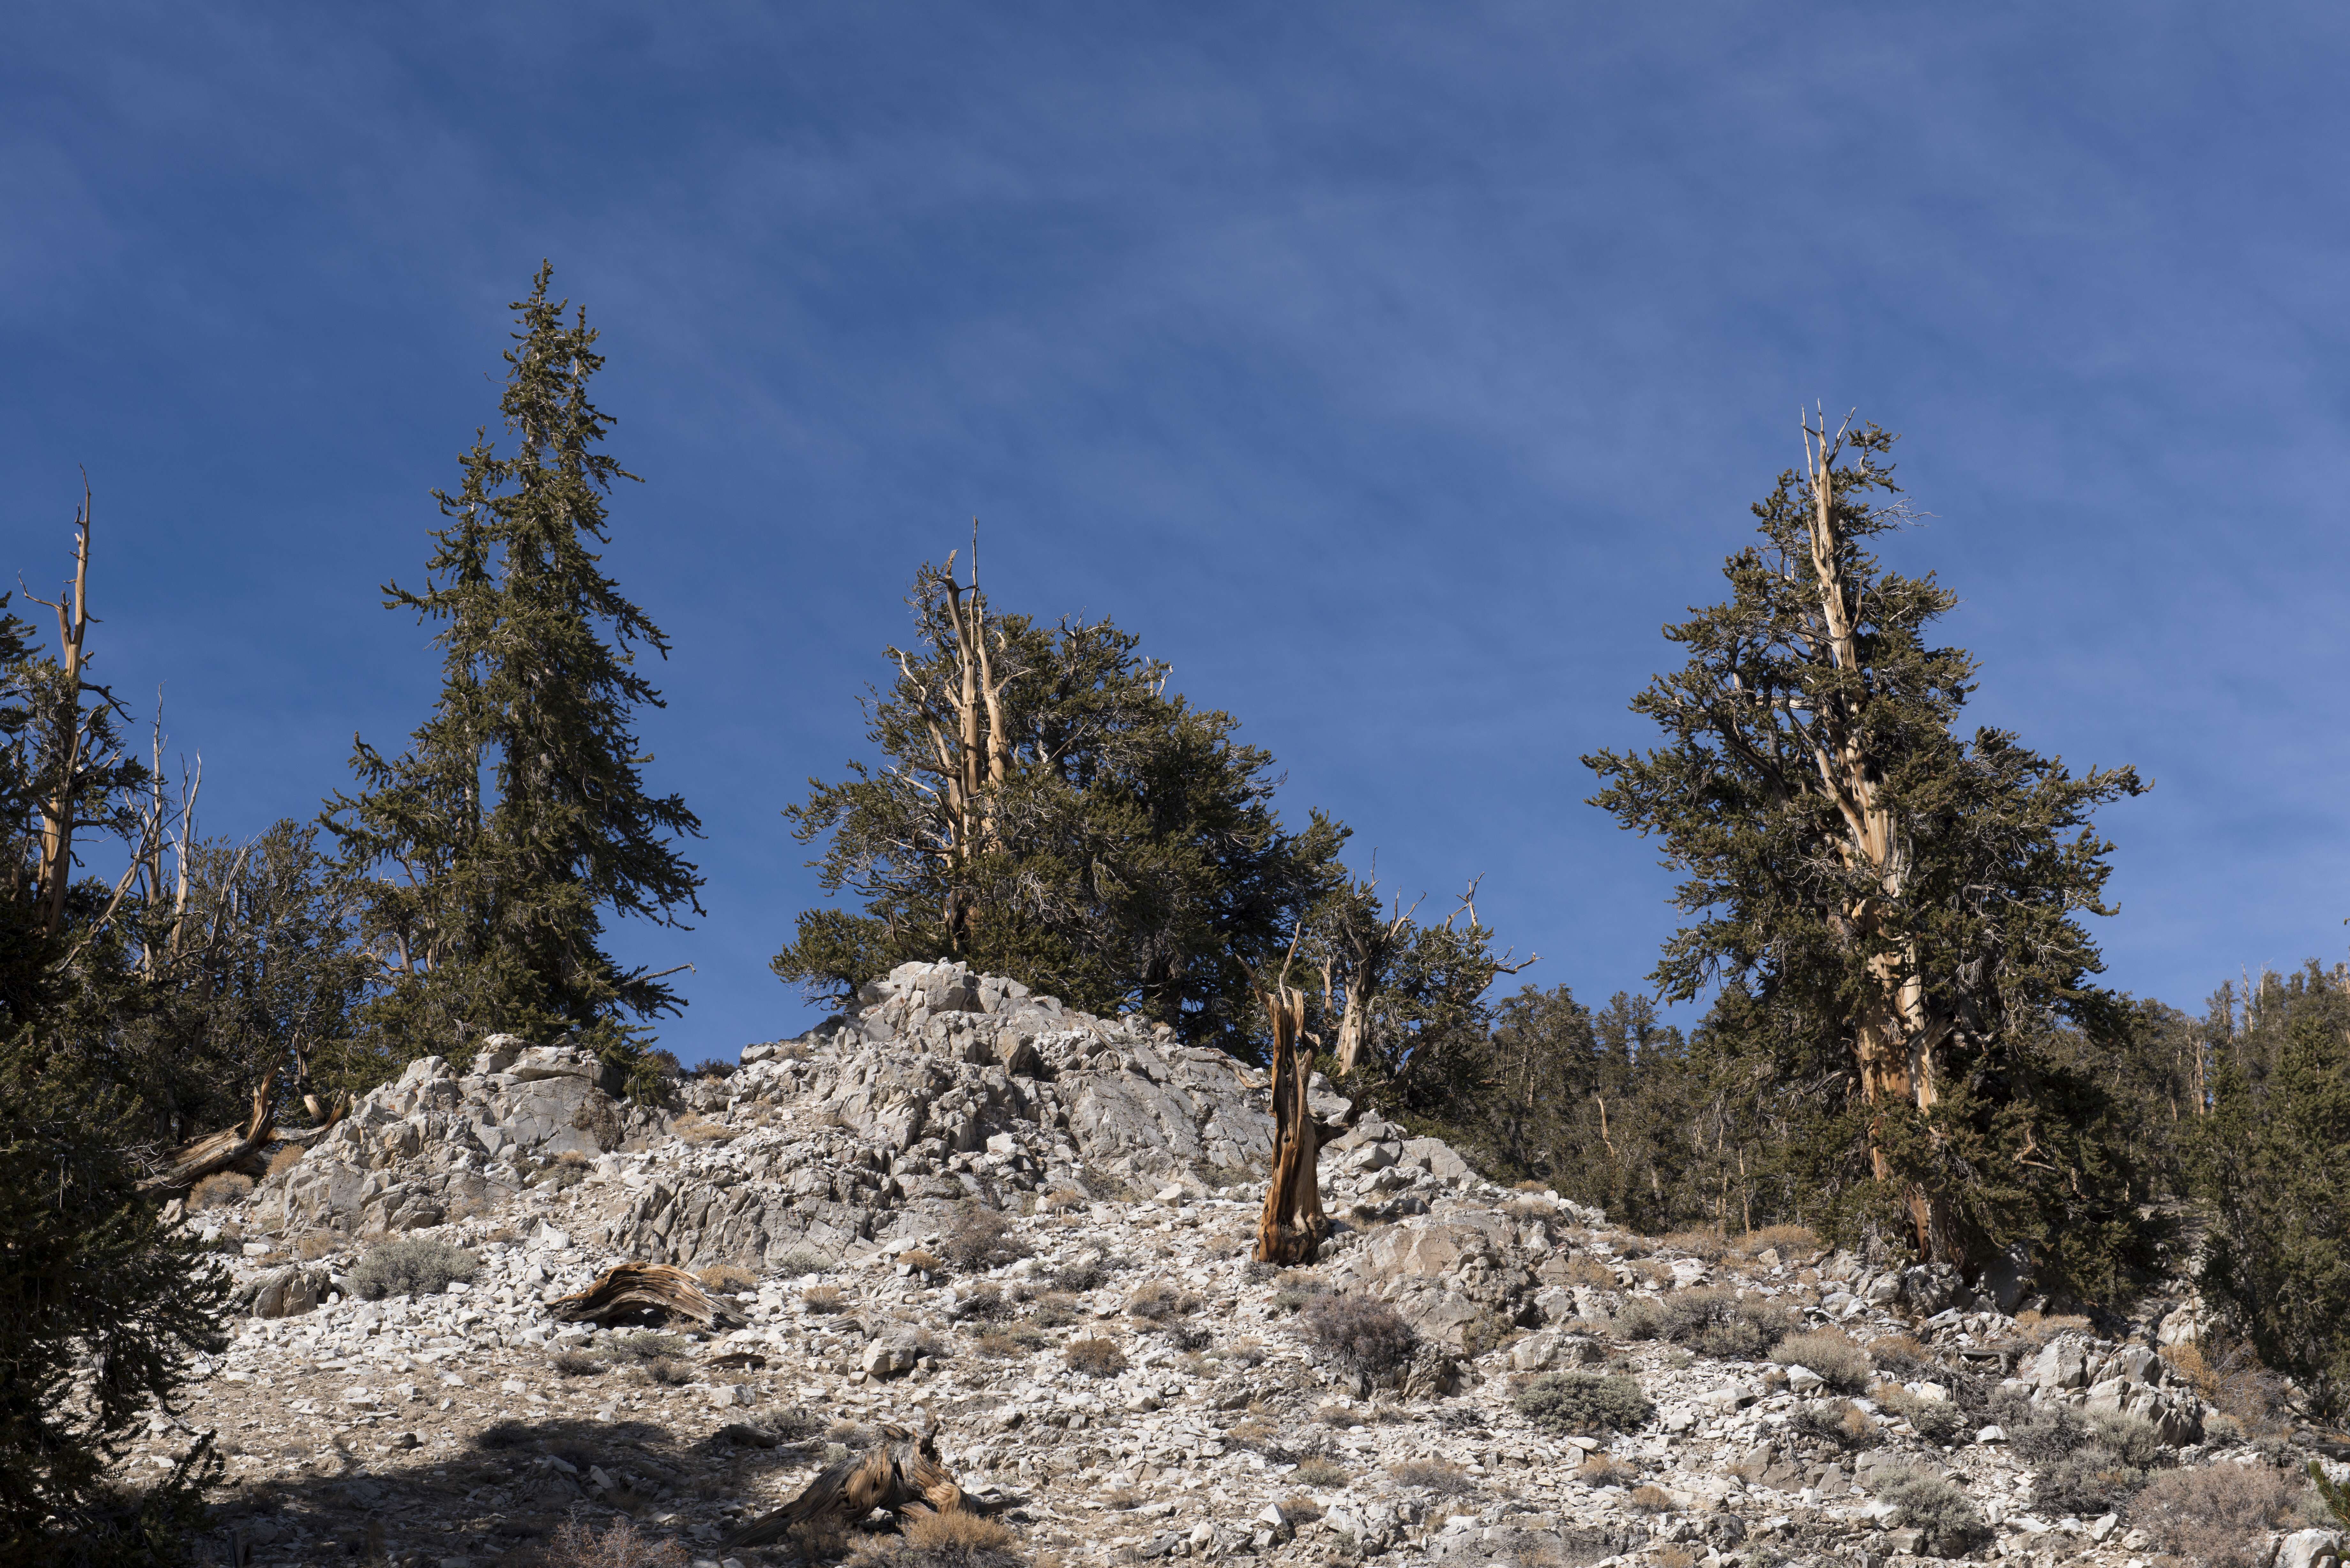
1835	1359
1944	1518
1579	1403
410	1266
1360	1333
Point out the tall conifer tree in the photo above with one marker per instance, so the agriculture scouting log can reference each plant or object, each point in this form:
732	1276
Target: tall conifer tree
1893	906
518	816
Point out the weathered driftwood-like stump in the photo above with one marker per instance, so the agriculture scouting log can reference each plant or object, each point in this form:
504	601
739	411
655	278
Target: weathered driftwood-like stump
901	1473
1293	1224
631	1290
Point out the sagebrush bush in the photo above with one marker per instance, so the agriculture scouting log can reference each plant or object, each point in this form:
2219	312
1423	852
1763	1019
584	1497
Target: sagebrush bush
979	1238
1439	1478
1900	1354
1001	1341
1944	1516
412	1266
1606	1469
1936	1420
1575	1403
1157	1300
577	1364
801	1260
982	1301
1651	1498
219	1190
1790	1243
1095	1357
1721	1323
1832	1357
1319	1470
1085	1274
286	1158
1360	1333
663	1370
822	1298
1837	1421
2218	1516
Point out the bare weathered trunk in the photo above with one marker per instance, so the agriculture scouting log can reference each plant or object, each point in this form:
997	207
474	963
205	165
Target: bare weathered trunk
1894	1041
1292	1226
191	1163
55	872
970	739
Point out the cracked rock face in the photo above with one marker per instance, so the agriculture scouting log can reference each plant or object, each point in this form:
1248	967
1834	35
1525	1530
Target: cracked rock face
966	1208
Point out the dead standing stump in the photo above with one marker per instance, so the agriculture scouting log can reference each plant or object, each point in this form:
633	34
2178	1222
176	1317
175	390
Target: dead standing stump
1293	1226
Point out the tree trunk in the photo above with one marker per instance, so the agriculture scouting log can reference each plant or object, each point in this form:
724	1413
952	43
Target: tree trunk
1894	1042
1293	1225
191	1163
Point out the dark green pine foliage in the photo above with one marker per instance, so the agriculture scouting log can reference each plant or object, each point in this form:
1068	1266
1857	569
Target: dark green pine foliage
1086	832
2277	1262
518	817
1890	906
101	1307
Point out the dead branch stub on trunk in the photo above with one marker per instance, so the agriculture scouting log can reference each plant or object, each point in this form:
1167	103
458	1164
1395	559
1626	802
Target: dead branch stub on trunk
901	1472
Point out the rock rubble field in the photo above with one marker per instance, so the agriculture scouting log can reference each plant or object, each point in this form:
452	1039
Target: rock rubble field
972	1212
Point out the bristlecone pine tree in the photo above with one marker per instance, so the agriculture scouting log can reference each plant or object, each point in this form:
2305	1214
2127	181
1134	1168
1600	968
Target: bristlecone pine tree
1892	905
101	1306
488	904
1045	809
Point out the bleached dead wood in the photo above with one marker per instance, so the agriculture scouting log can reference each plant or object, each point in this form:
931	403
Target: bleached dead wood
901	1472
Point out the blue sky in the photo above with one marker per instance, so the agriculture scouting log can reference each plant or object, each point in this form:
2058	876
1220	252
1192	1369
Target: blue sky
1395	371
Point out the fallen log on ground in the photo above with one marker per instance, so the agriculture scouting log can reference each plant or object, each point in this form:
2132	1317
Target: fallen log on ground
191	1162
901	1472
629	1291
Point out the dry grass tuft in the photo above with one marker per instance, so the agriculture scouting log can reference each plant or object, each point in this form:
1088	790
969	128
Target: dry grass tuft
1839	1362
979	1238
693	1129
822	1298
286	1158
219	1190
1708	1245
1606	1469
316	1244
921	1261
1651	1500
730	1279
1590	1272
1439	1478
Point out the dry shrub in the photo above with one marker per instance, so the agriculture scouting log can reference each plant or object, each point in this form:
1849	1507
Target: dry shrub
801	1260
1651	1500
1361	1332
1319	1470
820	1540
1675	1557
1002	1340
314	1245
1900	1354
2230	1377
693	1129
729	1279
1933	1506
1299	1509
1061	1199
2038	1328
1095	1357
2216	1517
1706	1244
1158	1301
577	1545
220	1190
577	1364
953	1538
979	1238
1840	1362
821	1298
666	1371
1837	1421
1591	1273
1709	1320
286	1158
921	1261
1790	1241
1936	1420
1439	1478
412	1266
1085	1274
1604	1470
1053	1310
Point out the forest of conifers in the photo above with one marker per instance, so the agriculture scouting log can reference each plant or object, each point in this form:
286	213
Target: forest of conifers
1903	1042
